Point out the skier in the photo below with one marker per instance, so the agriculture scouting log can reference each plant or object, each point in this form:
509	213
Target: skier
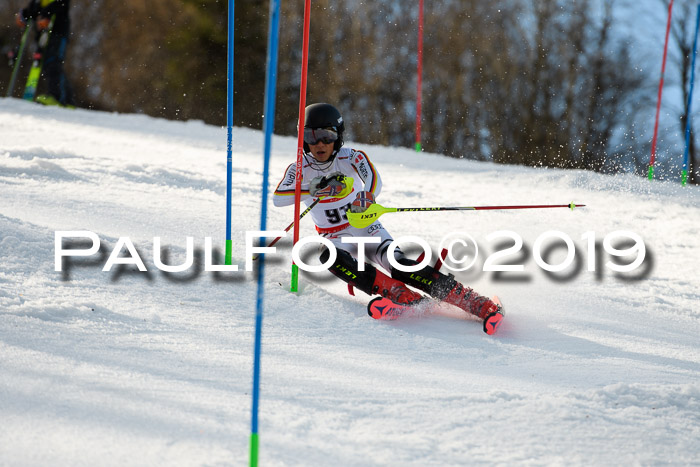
326	164
54	53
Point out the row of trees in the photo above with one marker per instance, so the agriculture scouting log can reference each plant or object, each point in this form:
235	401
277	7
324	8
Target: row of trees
535	82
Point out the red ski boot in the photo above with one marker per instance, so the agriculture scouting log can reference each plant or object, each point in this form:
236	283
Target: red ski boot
394	290
470	301
484	308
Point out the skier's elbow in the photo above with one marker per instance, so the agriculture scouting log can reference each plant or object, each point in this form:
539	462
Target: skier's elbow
279	201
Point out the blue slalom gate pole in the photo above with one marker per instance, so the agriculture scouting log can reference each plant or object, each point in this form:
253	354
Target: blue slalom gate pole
684	171
229	132
268	124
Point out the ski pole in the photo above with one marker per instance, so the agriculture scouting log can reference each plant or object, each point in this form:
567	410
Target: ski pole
364	219
18	60
306	211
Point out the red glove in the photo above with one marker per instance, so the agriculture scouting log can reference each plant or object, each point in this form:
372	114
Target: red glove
363	200
19	19
42	23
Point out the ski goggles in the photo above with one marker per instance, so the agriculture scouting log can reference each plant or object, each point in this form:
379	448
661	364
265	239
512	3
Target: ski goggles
324	135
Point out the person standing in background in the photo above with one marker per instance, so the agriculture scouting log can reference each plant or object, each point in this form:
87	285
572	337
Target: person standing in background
51	14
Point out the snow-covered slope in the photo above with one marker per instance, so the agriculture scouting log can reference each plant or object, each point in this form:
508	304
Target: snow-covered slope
148	368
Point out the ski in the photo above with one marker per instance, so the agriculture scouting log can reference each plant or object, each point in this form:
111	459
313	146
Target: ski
17	58
37	63
33	78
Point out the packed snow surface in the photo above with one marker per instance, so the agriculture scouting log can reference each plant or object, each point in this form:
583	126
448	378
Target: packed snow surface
124	367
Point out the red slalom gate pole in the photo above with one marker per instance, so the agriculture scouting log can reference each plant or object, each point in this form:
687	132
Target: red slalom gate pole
300	139
650	174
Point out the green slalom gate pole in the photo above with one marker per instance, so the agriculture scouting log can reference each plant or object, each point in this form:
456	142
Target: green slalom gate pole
294	285
419	77
684	171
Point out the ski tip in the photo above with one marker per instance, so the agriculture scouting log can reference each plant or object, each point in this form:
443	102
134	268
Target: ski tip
492	322
383	308
372	308
494	319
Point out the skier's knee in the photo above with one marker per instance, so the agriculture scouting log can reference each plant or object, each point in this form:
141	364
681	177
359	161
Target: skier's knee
325	255
342	257
345	267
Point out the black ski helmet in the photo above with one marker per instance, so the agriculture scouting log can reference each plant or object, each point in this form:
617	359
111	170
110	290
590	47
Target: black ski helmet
323	115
